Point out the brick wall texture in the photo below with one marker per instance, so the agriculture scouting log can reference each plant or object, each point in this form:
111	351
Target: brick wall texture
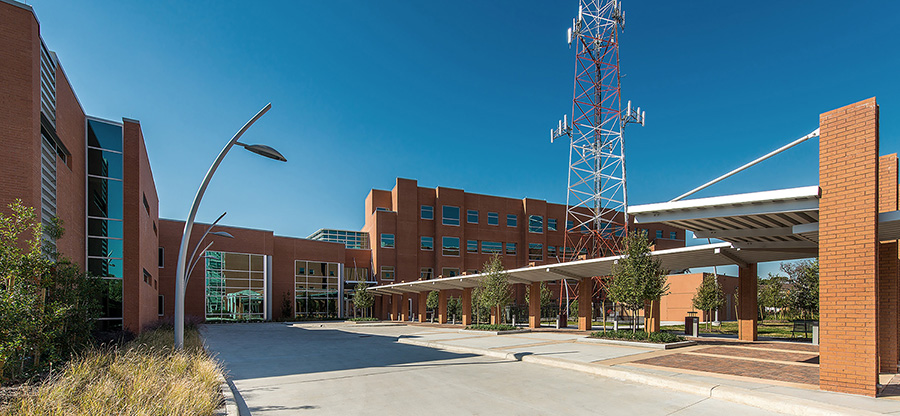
888	272
848	248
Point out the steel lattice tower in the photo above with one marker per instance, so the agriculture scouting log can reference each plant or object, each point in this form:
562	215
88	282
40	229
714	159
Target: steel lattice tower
596	220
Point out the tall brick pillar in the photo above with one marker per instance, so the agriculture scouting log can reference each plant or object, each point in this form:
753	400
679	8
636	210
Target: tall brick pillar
534	305
888	272
385	310
748	281
423	306
396	300
466	306
442	307
585	292
848	249
404	308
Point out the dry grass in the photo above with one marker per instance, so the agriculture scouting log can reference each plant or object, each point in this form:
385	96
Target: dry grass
145	377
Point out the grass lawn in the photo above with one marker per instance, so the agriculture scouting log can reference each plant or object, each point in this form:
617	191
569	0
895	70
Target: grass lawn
143	377
773	329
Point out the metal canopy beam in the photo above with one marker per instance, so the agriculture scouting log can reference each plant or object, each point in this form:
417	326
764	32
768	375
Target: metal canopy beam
755	232
733	257
563	273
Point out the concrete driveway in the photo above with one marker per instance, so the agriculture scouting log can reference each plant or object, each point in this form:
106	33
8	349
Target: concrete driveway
345	369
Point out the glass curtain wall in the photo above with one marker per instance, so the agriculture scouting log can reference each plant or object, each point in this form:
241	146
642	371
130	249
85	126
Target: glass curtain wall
317	289
235	286
104	212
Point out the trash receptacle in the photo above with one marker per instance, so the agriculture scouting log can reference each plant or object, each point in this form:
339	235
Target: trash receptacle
692	326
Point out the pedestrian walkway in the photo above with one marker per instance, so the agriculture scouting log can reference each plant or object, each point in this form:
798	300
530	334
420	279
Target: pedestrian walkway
782	375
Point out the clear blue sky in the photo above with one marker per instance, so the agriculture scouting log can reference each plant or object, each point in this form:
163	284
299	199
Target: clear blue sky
461	94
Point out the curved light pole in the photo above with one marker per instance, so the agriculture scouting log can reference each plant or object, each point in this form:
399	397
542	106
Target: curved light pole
259	149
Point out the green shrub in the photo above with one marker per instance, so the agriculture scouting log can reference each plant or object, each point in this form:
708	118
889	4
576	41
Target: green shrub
361	319
654	337
486	327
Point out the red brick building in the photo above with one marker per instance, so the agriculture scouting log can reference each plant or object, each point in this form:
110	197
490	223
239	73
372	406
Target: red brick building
92	174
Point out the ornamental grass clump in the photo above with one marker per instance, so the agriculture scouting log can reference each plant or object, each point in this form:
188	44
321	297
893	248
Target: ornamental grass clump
144	377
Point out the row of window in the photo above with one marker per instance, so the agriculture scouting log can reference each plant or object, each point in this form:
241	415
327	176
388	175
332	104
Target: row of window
427	243
450	215
425	273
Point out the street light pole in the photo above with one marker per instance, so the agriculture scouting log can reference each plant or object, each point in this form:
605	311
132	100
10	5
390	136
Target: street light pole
189	223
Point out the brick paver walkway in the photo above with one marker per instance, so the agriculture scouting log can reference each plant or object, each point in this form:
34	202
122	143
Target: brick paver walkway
790	362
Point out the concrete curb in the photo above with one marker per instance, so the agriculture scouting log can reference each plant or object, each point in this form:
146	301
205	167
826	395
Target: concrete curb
669	346
778	403
231	408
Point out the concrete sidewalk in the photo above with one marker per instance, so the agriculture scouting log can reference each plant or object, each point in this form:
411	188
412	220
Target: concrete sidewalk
575	352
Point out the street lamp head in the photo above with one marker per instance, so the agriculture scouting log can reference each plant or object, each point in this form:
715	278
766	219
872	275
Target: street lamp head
264	150
225	234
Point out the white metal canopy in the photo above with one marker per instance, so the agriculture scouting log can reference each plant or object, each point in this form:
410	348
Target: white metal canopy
755	227
718	254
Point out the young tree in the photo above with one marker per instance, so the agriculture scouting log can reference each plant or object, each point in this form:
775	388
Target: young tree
432	302
638	278
804	296
709	296
47	305
494	290
771	294
362	298
454	306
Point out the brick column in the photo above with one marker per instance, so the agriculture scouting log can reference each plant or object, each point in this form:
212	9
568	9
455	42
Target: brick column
385	311
848	249
651	321
888	272
585	291
467	306
534	305
423	306
404	306
395	307
442	307
747	304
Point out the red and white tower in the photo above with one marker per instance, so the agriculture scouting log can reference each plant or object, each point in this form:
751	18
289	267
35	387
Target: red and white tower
596	218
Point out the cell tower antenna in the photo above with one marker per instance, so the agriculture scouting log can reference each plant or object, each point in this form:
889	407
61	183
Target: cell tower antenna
596	218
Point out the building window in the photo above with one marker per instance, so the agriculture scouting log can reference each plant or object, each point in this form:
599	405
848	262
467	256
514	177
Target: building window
450	246
387	273
381	209
511	220
659	234
551	251
162	257
235	286
449	272
491	247
161	305
535	252
427	212
426	243
493	218
551	224
535	224
471	271
511	249
472	216
387	241
471	246
449	215
148	279
426	273
673	235
569	225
